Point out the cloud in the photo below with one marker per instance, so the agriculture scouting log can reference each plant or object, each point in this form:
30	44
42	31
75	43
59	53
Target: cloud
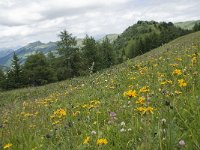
24	21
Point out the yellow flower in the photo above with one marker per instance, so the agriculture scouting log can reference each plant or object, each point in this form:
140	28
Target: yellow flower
86	140
76	113
55	122
144	89
182	83
144	110
60	113
178	92
130	93
177	72
102	141
194	60
141	100
7	146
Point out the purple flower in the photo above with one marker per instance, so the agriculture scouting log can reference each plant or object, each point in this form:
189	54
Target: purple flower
113	114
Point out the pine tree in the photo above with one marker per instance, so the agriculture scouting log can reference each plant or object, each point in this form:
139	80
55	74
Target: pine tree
38	71
69	53
14	75
196	27
2	78
90	54
107	53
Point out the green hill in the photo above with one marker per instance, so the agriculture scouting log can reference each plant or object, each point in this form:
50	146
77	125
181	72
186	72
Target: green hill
149	102
144	36
187	24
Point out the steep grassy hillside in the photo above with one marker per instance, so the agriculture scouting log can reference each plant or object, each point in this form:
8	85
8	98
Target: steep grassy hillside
150	102
187	24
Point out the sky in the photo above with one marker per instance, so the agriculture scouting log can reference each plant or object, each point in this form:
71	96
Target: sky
26	21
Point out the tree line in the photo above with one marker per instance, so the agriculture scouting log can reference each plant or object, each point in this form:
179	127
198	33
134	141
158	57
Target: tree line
93	56
72	61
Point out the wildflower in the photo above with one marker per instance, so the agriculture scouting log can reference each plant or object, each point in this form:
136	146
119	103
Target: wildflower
7	146
177	72
86	140
59	113
122	130
144	89
179	59
144	110
55	122
181	143
130	93
93	132
178	92
173	65
113	114
163	121
102	141
123	123
129	129
194	58
182	83
76	113
141	100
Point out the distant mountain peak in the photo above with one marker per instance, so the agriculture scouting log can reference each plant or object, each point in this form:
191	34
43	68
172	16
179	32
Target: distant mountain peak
36	43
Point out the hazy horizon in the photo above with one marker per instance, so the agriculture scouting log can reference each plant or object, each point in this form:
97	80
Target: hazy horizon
23	22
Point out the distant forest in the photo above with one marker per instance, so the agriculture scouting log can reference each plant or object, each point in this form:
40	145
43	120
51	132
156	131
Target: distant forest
93	56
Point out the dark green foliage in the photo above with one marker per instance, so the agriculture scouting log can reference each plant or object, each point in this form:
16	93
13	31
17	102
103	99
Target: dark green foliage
69	54
66	45
38	70
144	36
2	78
107	53
196	27
14	76
90	55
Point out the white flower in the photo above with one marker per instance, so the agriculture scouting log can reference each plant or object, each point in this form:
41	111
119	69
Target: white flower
122	130
93	132
123	123
129	129
163	121
182	143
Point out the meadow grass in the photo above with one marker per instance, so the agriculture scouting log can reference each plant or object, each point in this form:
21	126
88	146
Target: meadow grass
150	102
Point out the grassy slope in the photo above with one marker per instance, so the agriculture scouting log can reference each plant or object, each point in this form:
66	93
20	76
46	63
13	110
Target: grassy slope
26	114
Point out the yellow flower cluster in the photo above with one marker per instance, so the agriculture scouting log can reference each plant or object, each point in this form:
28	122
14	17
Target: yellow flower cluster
194	58
144	89
141	100
29	114
102	141
145	110
59	113
7	146
166	82
177	72
86	140
92	104
182	83
130	93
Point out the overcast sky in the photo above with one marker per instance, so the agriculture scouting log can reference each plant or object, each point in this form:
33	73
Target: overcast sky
25	21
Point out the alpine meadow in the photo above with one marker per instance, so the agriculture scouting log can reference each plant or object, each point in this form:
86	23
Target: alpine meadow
133	88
